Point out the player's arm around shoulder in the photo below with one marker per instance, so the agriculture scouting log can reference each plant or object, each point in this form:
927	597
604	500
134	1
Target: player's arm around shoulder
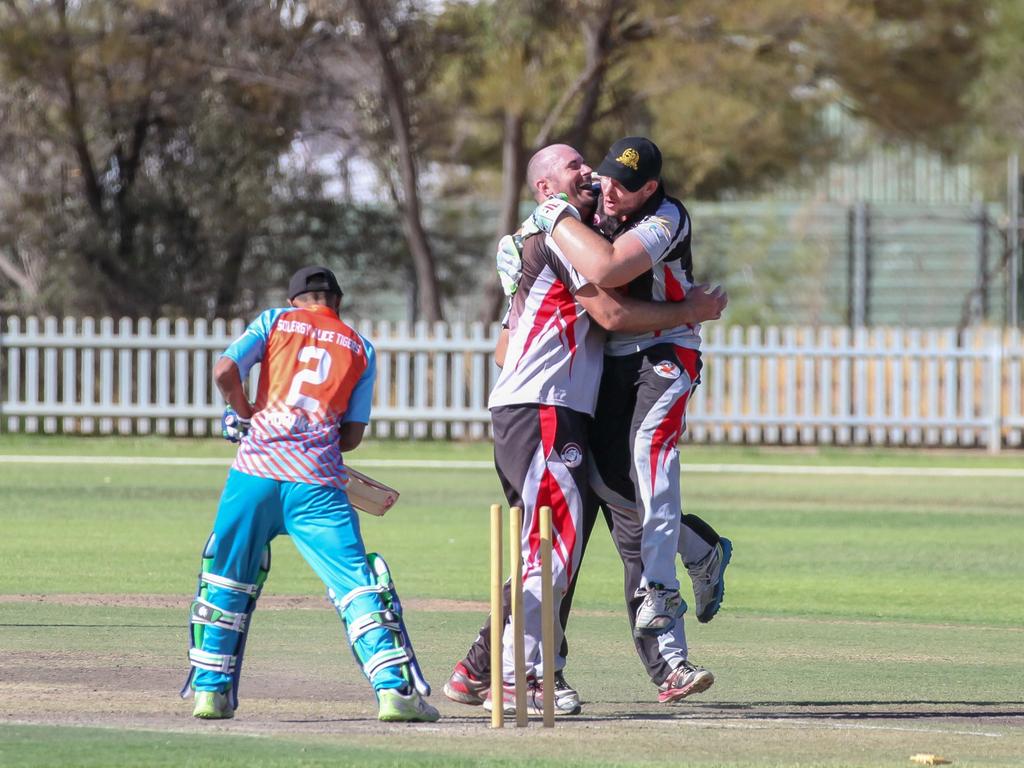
606	264
616	312
357	416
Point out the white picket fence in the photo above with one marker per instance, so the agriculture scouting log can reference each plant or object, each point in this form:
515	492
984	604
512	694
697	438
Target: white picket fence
807	386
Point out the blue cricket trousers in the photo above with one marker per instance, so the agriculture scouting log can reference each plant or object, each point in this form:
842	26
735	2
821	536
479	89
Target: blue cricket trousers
325	529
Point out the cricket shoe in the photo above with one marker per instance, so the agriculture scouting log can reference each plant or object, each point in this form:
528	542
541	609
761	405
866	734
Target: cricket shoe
708	578
465	687
567	698
213	705
659	611
566	705
397	707
685	680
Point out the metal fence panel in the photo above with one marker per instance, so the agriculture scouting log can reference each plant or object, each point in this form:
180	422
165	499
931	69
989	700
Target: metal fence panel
909	264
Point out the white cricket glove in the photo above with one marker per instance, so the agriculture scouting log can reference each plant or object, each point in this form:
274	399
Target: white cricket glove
546	215
232	426
510	263
509	258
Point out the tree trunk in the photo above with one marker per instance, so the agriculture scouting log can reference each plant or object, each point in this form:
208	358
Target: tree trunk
227	290
393	92
513	174
73	117
598	46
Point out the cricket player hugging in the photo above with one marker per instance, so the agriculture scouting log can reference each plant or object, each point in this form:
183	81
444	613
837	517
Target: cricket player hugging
312	404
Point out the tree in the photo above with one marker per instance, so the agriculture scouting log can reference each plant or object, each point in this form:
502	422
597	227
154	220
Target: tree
732	92
997	111
530	81
386	51
149	158
145	161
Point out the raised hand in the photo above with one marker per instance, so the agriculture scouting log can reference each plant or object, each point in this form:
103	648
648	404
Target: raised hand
546	215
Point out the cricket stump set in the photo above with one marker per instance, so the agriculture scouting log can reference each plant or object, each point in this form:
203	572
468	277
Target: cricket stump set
516	599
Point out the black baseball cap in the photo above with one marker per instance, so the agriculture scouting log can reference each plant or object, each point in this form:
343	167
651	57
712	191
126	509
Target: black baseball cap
632	161
310	279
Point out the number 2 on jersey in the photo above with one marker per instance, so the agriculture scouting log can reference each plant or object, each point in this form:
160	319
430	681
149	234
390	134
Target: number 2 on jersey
314	376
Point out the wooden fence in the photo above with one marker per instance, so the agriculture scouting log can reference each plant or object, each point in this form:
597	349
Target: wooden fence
791	385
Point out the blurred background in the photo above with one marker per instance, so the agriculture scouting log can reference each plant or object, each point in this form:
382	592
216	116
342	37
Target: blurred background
846	161
852	168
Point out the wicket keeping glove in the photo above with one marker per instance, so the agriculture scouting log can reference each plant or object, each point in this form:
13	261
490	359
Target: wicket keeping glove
546	215
232	426
510	263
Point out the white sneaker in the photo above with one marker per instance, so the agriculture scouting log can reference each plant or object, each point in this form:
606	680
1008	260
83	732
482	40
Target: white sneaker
708	577
397	707
658	612
567	698
568	703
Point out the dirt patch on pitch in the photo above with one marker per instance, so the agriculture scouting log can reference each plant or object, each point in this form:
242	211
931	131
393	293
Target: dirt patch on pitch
115	683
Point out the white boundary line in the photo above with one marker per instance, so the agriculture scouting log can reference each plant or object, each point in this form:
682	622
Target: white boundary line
710	469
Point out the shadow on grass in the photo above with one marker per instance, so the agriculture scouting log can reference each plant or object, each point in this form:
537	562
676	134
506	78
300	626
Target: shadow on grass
445	719
811	710
885	703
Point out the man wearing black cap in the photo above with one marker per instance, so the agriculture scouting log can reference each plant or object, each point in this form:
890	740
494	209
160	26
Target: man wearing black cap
559	170
648	377
540	410
312	404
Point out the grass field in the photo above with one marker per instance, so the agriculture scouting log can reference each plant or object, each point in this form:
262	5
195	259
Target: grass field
868	618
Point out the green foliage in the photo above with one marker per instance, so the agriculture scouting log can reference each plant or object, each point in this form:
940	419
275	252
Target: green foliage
996	107
732	92
149	151
161	166
908	66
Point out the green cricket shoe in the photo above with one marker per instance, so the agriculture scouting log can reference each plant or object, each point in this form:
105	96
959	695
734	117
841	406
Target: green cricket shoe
397	707
211	705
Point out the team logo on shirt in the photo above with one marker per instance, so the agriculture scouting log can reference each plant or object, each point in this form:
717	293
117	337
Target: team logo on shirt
572	455
667	370
658	226
630	158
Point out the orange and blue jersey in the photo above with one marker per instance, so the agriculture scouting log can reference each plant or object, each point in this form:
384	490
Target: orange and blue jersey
316	374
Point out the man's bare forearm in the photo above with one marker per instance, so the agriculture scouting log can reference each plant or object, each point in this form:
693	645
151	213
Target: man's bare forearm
229	382
616	312
606	264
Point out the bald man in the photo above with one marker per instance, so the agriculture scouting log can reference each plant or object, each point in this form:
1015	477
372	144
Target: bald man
541	408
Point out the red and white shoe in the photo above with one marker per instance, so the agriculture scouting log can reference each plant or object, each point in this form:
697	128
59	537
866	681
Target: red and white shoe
465	687
685	680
